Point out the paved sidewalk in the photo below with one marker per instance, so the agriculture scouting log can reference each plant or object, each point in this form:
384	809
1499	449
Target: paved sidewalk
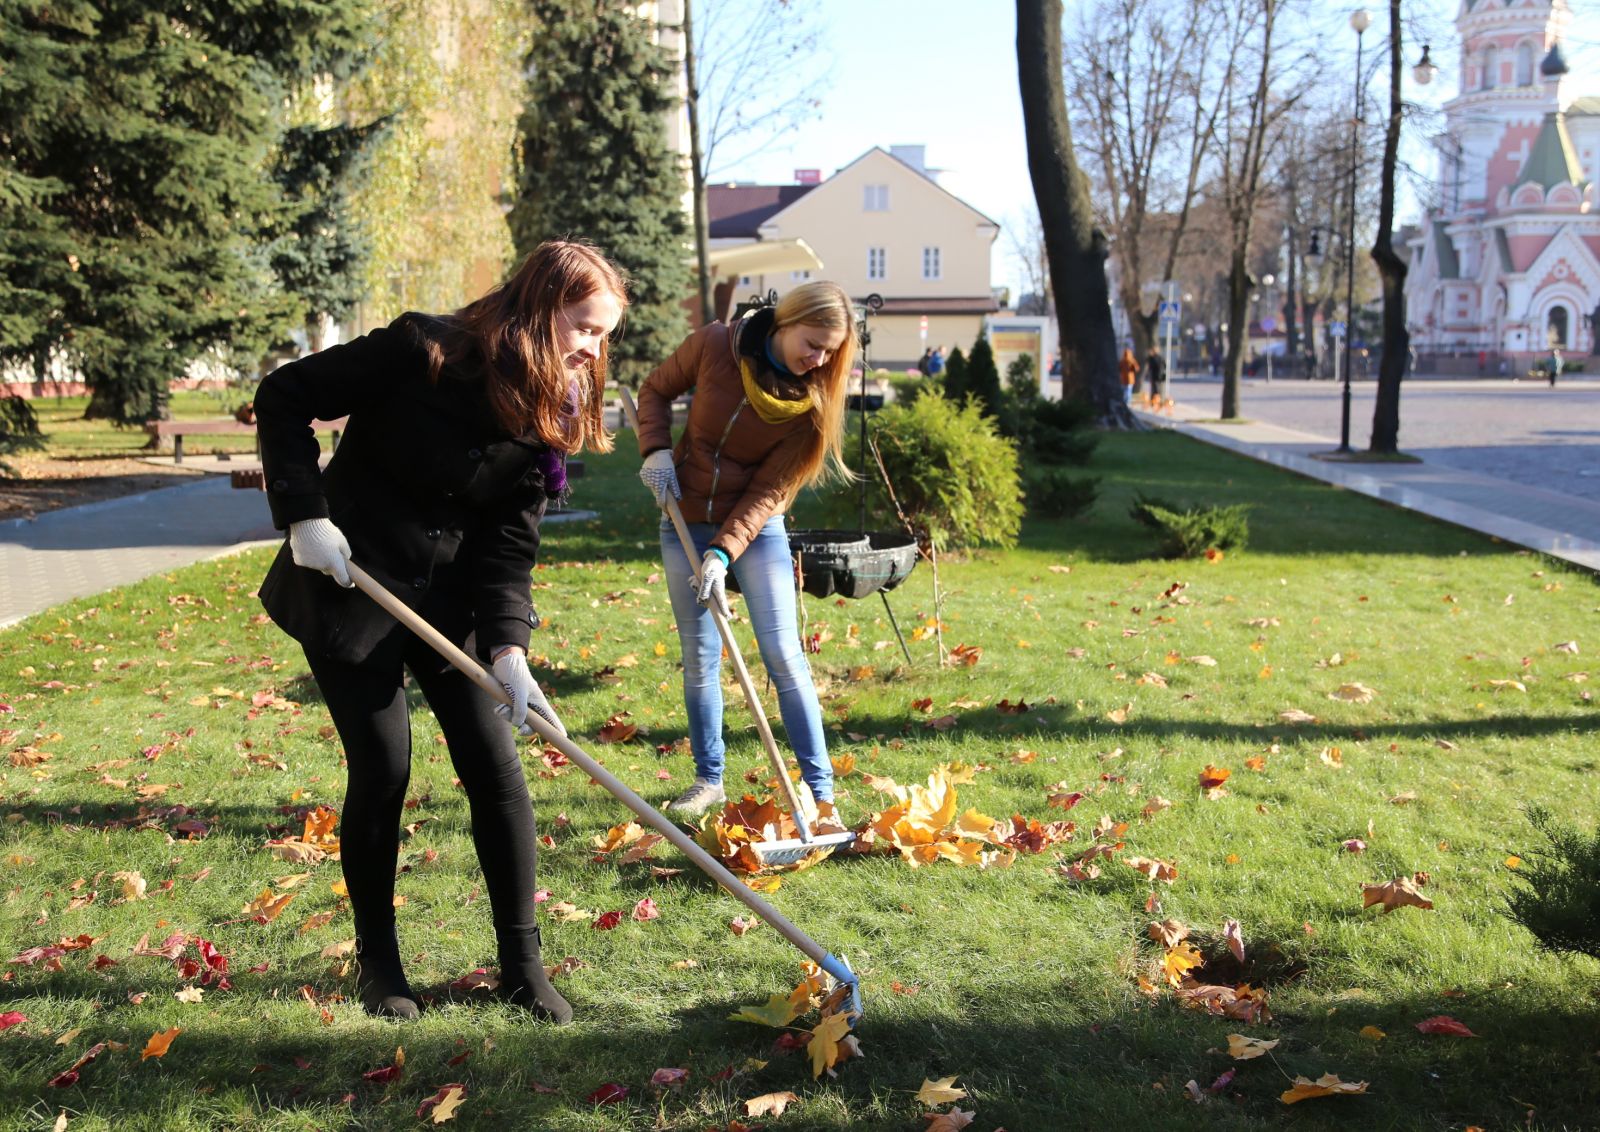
1563	526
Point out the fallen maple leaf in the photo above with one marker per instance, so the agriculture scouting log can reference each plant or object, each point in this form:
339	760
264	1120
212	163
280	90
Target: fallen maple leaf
739	925
442	1105
609	1093
1372	1033
1241	1048
1164	871
646	910
617	729
1178	961
1212	777
1353	845
1352	693
1397	893
1234	935
939	1092
952	1121
1444	1024
669	1078
1168	933
11	1018
769	1104
1295	715
159	1043
606	921
189	994
1328	1085
826	1038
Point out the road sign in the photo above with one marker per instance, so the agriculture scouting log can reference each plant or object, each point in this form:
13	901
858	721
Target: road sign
1170	310
1336	329
1269	324
922	325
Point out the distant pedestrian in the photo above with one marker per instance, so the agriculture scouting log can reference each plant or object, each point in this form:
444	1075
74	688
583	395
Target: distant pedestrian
936	362
1554	364
1155	367
1128	366
923	363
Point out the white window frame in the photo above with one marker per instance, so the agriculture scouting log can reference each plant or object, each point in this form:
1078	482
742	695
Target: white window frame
933	258
877	264
875	198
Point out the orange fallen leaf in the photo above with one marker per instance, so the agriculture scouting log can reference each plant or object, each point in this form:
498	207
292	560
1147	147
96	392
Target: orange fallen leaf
1444	1024
1328	1085
1213	776
1241	1048
1178	961
159	1043
769	1104
939	1092
1163	871
1397	893
1168	933
952	1121
617	729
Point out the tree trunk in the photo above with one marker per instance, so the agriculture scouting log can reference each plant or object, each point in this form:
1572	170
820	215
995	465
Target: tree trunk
1076	248
1238	325
702	217
1391	268
1291	301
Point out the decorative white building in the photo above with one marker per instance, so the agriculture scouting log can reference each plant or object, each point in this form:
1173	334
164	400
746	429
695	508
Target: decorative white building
1508	263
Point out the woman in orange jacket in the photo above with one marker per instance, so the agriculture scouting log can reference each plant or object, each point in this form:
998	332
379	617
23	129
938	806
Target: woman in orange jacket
767	419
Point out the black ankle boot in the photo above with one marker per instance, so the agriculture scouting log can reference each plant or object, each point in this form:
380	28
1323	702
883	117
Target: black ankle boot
523	981
380	979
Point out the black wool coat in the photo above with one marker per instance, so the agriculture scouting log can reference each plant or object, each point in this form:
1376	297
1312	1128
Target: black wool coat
440	504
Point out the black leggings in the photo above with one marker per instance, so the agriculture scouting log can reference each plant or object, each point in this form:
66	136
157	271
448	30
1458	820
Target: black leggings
368	706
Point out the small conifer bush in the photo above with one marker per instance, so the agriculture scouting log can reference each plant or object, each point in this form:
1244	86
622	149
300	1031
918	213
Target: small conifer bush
1557	889
1189	531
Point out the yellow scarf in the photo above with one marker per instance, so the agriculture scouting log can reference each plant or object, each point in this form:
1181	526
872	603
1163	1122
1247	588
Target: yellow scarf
773	410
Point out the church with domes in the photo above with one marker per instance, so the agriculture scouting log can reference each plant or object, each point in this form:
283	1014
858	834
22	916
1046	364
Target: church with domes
1506	265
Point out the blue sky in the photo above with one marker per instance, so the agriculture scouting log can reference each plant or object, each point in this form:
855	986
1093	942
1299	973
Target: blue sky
942	73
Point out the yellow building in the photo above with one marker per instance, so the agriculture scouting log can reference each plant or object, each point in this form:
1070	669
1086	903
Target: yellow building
880	225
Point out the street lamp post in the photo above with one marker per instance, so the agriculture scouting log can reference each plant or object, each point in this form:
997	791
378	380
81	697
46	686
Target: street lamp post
1360	20
1271	323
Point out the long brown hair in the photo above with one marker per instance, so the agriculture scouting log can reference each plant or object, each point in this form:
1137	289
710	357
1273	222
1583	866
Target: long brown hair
825	305
510	335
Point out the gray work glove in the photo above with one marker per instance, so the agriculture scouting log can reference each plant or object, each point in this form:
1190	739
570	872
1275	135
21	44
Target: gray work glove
713	583
660	475
317	544
511	670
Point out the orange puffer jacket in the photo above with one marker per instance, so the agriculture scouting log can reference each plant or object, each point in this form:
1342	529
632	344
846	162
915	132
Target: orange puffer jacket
728	458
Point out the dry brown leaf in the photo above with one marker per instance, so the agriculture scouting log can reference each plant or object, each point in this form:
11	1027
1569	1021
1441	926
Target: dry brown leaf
1352	693
939	1092
1328	1085
952	1121
1241	1048
769	1104
1168	933
1397	893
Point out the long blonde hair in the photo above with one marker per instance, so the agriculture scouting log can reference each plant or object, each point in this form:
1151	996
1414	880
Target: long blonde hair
826	305
511	333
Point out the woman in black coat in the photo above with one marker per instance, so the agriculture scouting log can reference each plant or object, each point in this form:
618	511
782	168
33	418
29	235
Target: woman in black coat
458	431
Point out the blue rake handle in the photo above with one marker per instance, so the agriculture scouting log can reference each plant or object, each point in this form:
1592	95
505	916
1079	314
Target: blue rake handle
704	861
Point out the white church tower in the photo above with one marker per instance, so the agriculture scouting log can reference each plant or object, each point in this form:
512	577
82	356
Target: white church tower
1507	263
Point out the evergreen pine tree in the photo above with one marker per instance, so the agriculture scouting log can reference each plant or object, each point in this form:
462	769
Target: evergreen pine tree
319	251
134	155
956	385
983	377
595	163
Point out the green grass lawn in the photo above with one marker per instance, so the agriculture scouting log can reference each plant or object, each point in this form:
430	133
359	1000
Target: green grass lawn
68	436
1023	984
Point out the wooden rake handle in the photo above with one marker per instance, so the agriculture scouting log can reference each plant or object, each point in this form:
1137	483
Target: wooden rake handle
618	789
751	696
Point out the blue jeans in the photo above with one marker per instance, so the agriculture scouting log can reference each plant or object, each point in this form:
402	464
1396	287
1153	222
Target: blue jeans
766	579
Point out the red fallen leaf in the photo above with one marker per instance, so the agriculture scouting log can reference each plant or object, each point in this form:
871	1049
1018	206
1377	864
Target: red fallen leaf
669	1078
64	1080
541	896
617	729
1006	707
786	1043
258	969
1221	1082
101	962
475	980
646	910
214	958
31	956
1067	800
302	1063
386	1074
606	921
609	1093
11	1018
924	704
1444	1024
1213	776
724	1074
943	723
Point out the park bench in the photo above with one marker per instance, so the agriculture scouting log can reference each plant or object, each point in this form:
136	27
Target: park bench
177	430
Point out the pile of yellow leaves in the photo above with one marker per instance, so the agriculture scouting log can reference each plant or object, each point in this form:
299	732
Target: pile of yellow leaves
925	825
830	1041
731	834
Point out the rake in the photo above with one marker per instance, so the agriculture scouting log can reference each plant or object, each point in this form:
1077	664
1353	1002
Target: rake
835	966
772	854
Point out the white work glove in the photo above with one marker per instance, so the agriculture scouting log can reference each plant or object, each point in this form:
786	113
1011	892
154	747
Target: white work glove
317	544
713	583
511	670
660	475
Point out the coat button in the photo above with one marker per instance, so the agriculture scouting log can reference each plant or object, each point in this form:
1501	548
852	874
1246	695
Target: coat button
419	583
434	532
474	453
448	494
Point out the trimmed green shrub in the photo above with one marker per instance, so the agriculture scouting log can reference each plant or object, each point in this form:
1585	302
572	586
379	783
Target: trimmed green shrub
1557	893
1054	494
1059	432
956	385
19	431
907	387
1190	531
983	379
1022	379
955	476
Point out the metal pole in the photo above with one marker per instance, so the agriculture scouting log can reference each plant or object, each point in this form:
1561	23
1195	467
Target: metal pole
1350	253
